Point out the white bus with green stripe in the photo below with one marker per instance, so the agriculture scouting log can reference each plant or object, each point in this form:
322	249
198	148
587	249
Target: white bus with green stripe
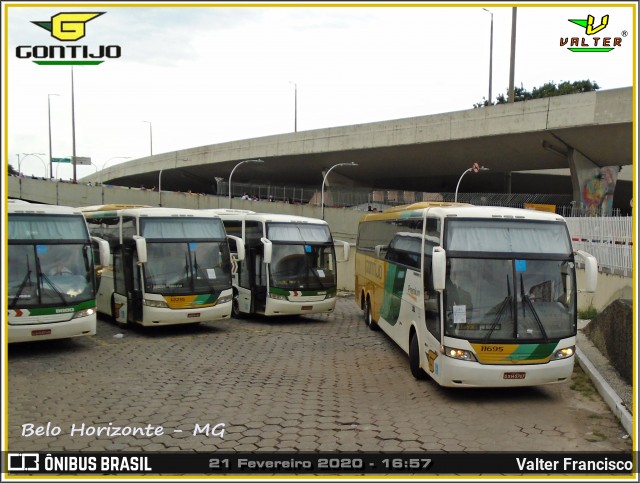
169	265
290	265
476	296
51	283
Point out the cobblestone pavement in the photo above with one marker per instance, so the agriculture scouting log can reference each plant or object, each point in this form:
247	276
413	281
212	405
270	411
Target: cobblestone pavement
316	383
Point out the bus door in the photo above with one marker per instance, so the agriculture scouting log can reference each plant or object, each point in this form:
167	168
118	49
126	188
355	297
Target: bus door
258	279
120	302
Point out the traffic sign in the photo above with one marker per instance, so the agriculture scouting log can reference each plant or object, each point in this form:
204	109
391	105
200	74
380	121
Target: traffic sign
82	160
476	168
60	160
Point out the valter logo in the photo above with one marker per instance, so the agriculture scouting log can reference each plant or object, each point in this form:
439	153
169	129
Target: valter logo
68	27
592	43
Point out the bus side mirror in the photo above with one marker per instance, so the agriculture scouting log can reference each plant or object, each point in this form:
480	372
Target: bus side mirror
268	249
379	249
439	268
105	252
239	247
345	250
141	248
590	271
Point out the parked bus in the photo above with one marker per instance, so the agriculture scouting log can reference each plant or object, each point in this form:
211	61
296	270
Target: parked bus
51	273
476	296
169	265
290	265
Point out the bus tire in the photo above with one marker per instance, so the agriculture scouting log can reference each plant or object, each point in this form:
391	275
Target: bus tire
414	358
235	306
368	317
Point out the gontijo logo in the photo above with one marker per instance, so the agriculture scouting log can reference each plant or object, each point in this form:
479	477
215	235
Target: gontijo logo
592	44
68	27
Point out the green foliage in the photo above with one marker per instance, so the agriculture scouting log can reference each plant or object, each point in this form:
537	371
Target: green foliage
550	89
588	313
12	170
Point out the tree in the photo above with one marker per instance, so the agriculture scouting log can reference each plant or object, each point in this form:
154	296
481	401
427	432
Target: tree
12	171
550	89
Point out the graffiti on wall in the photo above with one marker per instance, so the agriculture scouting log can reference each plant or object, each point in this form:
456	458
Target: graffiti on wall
597	190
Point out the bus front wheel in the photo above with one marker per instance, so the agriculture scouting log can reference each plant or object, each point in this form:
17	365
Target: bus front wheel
414	357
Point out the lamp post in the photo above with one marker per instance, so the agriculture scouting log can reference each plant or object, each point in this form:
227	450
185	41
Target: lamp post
295	106
476	168
234	168
150	137
37	155
490	54
104	166
160	188
50	151
325	178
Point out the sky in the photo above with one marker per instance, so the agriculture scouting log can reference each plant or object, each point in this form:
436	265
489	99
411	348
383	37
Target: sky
191	76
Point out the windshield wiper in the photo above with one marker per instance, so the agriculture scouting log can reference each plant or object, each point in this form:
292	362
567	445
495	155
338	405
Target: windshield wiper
526	301
43	277
27	279
507	302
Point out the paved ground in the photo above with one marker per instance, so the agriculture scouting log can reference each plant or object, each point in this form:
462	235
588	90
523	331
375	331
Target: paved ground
317	383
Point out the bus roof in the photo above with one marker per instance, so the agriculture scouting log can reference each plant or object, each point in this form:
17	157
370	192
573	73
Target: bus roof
111	207
143	211
466	210
34	208
239	215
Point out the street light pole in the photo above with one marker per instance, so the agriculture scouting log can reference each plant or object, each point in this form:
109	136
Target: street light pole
234	168
104	166
295	106
490	55
37	155
150	137
325	178
476	168
50	151
160	188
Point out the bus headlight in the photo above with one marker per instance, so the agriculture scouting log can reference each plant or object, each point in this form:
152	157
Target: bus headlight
159	304
564	353
84	313
461	354
277	296
224	299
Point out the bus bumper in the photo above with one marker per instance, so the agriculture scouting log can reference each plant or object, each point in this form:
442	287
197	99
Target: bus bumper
57	330
278	307
466	374
153	316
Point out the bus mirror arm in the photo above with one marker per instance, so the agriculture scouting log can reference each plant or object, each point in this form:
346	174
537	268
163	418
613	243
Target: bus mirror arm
268	249
239	247
345	250
439	268
141	248
590	271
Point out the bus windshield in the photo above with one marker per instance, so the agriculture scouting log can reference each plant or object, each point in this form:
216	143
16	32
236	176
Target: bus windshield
55	274
303	256
509	299
187	267
303	267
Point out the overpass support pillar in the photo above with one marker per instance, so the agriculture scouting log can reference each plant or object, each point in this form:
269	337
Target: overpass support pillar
593	185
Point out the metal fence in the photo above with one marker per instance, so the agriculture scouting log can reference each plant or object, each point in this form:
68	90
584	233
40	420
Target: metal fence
606	238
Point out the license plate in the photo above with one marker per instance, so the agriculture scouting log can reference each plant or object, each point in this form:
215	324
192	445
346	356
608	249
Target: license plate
307	307
41	332
514	375
194	315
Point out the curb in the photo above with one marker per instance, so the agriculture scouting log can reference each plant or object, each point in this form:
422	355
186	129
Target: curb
608	394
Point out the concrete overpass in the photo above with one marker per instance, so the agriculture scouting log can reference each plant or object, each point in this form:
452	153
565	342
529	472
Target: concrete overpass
428	153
